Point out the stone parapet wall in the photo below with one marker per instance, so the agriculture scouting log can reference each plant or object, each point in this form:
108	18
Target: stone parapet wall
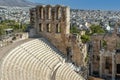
16	37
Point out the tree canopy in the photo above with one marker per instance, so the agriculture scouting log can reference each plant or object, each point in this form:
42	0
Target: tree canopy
96	29
85	38
11	24
74	30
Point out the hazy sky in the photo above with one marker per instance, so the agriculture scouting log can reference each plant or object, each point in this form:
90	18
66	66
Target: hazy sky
85	4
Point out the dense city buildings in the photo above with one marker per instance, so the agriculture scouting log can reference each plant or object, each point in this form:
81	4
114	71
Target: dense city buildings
84	18
18	14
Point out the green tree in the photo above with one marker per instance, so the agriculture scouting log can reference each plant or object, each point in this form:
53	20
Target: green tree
87	58
97	29
11	24
87	33
74	30
85	38
24	27
104	43
1	30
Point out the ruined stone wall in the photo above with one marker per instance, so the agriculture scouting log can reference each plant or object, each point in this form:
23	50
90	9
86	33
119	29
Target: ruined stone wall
111	40
53	22
77	53
57	38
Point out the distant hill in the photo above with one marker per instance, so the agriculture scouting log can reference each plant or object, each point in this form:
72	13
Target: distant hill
16	3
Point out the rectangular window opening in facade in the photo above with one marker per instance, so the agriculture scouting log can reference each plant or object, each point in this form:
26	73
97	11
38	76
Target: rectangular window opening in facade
58	28
108	64
118	68
48	28
40	27
40	13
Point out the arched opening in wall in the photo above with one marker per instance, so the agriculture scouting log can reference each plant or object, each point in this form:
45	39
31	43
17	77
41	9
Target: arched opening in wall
58	13
40	27
53	13
41	12
69	54
58	28
48	13
48	27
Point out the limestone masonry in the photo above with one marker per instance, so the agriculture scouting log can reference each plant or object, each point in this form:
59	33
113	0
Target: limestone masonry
53	23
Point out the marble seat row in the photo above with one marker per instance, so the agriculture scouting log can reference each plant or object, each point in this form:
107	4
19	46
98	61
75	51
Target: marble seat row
36	60
66	73
25	65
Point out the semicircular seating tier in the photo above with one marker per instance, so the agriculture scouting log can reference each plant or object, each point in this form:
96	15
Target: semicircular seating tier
36	60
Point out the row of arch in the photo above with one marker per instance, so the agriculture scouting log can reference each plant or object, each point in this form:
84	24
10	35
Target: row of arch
49	28
48	11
